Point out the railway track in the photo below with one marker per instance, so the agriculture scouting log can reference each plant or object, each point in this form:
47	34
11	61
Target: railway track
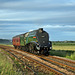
47	62
65	63
73	62
46	67
68	64
70	67
22	63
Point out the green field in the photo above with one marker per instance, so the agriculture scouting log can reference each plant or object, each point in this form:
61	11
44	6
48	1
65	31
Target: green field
66	47
66	50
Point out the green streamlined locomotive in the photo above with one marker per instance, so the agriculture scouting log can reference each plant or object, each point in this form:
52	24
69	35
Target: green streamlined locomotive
36	42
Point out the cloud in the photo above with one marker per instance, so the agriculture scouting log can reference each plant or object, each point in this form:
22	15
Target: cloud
58	26
34	5
56	32
38	18
37	12
57	17
30	30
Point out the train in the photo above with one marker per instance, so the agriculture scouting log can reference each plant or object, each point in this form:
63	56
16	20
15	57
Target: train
36	41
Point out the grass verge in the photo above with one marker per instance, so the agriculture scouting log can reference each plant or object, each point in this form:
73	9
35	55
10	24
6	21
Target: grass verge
6	66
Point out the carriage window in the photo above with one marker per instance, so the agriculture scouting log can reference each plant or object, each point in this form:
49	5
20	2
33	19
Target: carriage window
16	40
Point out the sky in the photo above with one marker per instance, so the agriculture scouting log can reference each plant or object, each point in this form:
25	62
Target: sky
57	17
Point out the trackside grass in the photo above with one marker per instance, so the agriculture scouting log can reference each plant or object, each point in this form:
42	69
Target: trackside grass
6	67
7	45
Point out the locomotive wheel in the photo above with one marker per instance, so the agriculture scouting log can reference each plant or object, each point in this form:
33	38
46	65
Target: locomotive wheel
15	47
27	48
19	47
31	48
46	53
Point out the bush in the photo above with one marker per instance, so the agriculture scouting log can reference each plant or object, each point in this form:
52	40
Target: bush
72	56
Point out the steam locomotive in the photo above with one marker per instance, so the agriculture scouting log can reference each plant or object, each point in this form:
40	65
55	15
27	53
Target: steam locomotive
36	41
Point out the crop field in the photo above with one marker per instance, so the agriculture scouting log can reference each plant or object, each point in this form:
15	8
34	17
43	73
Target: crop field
63	46
59	47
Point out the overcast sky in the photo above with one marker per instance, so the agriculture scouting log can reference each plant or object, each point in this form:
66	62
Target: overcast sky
57	17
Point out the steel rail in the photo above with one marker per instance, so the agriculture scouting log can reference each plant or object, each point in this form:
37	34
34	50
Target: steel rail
73	68
26	67
52	60
62	59
48	56
42	64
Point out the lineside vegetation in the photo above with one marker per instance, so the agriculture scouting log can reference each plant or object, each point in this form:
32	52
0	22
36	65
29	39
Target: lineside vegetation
62	49
6	66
